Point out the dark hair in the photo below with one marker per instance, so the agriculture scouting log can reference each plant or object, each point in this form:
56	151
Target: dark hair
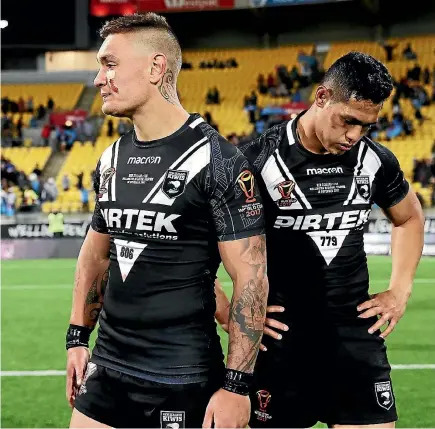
359	76
146	21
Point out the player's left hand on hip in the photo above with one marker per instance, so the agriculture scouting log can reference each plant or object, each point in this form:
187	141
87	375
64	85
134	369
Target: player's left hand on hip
387	306
227	410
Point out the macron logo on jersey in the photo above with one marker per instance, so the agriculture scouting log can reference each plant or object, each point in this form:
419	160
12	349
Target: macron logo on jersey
140	220
332	170
144	160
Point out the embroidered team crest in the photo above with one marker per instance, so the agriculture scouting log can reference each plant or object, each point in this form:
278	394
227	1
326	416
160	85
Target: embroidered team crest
174	183
173	419
363	186
91	368
106	175
384	394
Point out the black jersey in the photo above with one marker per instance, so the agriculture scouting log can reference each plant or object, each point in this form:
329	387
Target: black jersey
315	208
166	204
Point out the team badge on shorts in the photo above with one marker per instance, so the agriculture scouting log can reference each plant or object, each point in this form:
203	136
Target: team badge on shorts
174	183
363	186
172	419
384	394
90	369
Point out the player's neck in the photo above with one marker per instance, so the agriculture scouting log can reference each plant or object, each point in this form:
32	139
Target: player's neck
158	119
307	133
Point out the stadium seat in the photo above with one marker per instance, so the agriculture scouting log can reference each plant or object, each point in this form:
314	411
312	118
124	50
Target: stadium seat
25	159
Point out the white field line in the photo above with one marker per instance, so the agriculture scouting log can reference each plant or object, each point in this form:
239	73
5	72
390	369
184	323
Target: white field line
227	283
51	372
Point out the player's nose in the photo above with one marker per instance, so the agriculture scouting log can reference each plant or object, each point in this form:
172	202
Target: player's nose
100	80
354	134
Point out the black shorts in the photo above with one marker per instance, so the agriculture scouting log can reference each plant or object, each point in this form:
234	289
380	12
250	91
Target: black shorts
120	400
335	374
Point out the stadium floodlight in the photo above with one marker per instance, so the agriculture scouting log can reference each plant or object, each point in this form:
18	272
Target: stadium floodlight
3	24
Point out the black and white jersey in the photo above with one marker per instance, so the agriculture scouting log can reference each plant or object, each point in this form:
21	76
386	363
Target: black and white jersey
315	209
166	204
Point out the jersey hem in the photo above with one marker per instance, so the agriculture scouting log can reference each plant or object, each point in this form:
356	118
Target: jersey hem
151	376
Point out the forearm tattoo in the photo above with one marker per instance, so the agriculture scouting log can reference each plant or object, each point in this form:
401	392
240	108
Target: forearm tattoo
94	298
248	309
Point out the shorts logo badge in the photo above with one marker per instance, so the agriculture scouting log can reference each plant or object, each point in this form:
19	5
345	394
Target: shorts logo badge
104	180
285	189
384	394
90	369
264	398
363	186
246	183
174	183
172	419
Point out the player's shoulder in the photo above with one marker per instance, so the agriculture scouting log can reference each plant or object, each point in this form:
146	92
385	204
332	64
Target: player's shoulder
384	155
220	147
269	140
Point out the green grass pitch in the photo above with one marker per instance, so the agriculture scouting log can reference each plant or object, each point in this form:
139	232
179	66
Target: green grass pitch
36	299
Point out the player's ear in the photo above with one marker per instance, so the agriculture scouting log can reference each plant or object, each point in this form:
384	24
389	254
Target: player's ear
159	64
322	96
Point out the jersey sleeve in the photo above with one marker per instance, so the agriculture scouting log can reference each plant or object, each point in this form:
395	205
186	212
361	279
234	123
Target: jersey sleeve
392	187
258	151
98	223
234	198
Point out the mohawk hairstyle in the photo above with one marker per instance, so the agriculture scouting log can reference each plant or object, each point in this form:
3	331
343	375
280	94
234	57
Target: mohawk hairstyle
147	21
359	76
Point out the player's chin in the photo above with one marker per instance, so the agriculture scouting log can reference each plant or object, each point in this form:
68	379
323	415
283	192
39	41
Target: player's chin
110	108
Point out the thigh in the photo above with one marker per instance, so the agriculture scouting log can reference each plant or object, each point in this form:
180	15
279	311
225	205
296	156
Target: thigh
99	398
286	388
360	382
80	420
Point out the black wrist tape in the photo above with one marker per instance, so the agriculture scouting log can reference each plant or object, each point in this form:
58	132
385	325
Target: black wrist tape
77	336
237	381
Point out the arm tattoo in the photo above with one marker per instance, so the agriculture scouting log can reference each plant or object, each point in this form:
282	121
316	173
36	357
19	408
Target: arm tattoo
94	299
167	87
248	308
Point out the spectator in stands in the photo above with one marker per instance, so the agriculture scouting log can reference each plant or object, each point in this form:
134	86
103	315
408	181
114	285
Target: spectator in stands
80	180
270	81
29	105
433	149
66	183
21	105
19	128
261	84
389	50
50	104
33	123
88	130
22	180
45	134
41	112
30	200
414	73
84	197
233	139
213	96
49	192
35	183
37	170
426	76
5	105
110	128
408	53
122	127
68	136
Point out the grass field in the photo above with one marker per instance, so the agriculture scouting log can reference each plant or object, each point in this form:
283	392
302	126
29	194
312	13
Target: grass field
36	299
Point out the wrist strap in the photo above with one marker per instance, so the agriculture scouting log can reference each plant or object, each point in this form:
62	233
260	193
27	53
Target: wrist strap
77	336
237	381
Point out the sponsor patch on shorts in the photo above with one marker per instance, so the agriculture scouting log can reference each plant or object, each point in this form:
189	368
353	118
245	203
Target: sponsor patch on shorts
172	419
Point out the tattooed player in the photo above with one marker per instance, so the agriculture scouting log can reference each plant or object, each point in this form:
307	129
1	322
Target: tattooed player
173	199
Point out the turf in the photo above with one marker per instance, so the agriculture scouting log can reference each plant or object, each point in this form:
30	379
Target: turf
36	299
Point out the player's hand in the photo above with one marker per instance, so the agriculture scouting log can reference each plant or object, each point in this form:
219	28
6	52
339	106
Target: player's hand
77	361
272	323
387	306
227	410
